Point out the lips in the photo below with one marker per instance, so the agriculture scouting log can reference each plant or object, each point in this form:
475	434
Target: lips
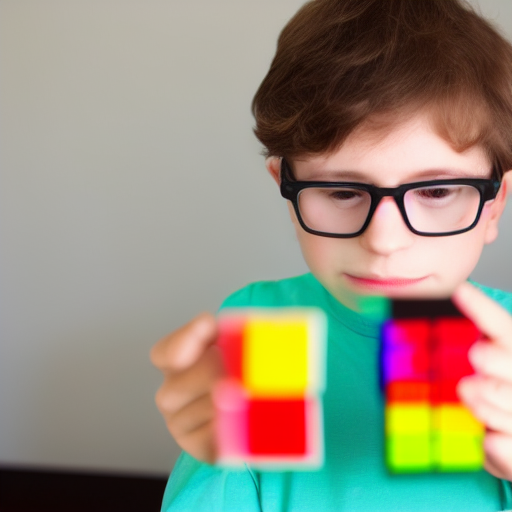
383	282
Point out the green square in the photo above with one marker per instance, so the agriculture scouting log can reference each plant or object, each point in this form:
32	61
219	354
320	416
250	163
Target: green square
409	453
461	451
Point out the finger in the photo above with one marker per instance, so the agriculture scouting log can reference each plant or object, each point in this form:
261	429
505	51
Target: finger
494	418
495	392
191	417
491	467
492	360
498	450
200	443
183	347
492	320
182	388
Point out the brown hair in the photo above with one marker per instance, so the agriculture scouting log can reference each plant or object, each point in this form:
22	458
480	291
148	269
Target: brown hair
341	64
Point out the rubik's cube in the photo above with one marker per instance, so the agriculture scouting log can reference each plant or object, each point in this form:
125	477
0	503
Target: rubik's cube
269	405
424	355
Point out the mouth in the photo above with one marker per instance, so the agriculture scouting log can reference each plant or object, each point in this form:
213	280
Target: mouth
385	283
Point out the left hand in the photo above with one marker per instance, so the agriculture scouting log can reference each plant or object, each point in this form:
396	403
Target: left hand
488	393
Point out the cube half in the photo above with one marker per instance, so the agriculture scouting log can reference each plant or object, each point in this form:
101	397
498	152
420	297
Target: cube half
424	354
269	404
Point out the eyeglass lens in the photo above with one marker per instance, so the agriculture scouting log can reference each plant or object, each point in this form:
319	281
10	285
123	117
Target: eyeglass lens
433	209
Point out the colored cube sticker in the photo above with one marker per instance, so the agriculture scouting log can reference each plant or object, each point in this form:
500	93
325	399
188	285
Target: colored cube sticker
424	354
269	404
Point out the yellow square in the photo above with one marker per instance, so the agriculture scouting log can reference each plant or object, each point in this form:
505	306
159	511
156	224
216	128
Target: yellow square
458	451
456	418
408	418
275	357
408	453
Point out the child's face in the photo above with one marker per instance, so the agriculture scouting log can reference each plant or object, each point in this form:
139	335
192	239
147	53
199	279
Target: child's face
388	259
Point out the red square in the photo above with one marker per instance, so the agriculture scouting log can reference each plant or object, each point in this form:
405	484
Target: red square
403	391
451	363
230	341
445	391
459	332
277	427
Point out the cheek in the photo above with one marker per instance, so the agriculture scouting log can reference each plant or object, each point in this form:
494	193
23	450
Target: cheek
318	251
455	257
323	255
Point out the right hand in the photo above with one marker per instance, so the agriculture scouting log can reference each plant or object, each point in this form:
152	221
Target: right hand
191	364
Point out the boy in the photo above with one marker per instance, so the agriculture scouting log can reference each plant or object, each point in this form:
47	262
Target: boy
370	93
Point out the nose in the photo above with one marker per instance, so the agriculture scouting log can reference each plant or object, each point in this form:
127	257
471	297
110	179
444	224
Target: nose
387	232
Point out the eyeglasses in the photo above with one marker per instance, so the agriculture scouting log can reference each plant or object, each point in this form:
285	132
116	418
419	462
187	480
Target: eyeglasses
429	208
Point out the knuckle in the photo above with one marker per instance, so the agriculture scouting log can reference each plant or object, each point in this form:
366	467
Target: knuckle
154	355
174	430
200	443
499	422
498	449
496	389
479	411
499	393
164	400
507	424
159	400
161	354
493	422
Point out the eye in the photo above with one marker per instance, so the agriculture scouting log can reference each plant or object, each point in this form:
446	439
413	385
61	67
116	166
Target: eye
439	196
345	194
434	193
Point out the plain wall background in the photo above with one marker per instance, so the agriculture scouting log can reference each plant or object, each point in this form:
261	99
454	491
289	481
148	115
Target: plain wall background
132	196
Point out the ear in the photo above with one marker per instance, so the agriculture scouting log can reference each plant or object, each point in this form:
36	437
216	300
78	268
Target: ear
273	164
497	208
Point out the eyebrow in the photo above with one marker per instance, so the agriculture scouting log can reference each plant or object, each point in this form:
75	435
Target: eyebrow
435	173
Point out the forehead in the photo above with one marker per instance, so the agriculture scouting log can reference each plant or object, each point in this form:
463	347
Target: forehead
408	151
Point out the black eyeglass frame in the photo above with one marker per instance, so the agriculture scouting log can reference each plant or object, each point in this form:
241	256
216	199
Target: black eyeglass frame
290	189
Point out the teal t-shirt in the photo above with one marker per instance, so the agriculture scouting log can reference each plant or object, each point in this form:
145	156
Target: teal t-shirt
353	477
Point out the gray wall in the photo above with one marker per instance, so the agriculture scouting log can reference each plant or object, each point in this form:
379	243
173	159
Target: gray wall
132	196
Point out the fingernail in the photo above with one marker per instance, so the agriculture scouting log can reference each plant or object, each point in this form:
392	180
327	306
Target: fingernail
203	326
476	354
463	387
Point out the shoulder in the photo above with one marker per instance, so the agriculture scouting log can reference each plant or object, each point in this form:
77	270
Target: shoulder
301	290
198	487
502	297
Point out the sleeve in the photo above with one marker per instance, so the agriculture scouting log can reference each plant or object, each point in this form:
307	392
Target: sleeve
198	487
